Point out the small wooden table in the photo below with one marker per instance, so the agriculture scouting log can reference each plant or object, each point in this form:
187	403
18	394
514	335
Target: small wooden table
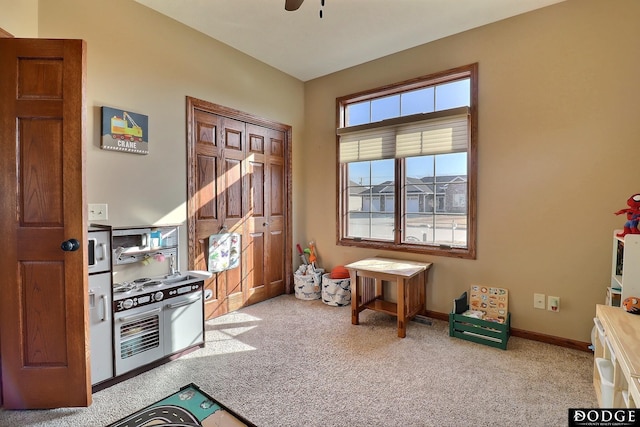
411	282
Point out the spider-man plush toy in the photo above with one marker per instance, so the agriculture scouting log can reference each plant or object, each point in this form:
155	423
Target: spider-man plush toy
633	216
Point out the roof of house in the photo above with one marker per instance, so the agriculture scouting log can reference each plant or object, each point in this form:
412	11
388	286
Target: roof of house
422	185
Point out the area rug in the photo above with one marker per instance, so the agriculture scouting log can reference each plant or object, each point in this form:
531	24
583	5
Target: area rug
188	407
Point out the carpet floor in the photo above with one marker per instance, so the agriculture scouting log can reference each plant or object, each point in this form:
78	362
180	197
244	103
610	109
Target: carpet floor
288	362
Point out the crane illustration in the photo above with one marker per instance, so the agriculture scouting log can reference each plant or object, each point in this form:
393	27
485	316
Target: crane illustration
125	128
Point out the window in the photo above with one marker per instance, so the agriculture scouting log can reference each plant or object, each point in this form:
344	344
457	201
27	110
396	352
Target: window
407	165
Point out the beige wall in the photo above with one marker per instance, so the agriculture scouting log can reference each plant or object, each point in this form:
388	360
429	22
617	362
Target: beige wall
141	61
558	151
558	136
20	18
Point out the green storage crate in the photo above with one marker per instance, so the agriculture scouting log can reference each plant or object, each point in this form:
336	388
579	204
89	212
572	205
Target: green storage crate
493	334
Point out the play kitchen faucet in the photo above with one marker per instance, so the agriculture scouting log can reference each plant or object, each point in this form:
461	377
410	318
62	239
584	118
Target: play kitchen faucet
172	269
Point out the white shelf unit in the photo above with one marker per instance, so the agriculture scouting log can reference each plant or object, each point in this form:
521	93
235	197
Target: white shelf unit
616	364
625	268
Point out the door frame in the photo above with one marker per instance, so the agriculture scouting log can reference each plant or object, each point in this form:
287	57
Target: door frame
194	104
3	33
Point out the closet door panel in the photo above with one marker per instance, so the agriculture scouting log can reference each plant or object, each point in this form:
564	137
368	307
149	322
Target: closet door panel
232	183
204	201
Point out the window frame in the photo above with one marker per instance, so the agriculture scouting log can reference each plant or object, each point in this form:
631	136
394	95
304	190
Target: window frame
468	71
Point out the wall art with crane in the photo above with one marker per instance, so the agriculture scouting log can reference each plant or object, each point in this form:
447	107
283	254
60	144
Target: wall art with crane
124	131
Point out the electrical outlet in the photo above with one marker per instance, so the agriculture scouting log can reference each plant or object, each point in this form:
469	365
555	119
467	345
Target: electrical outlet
553	303
98	212
538	301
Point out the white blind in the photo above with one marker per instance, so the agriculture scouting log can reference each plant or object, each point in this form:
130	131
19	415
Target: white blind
417	135
372	144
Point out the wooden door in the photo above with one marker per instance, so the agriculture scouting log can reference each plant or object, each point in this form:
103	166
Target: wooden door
238	182
43	312
266	216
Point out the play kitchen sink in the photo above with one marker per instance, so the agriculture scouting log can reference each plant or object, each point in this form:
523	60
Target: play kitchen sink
185	278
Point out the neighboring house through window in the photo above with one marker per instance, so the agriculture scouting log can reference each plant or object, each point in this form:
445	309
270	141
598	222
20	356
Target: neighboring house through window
407	165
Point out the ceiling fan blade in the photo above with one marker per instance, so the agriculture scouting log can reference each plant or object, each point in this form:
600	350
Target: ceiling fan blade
292	4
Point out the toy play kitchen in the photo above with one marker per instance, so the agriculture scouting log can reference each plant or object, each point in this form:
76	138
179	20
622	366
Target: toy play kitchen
143	311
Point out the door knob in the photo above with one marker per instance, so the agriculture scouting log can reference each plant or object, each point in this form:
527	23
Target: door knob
70	245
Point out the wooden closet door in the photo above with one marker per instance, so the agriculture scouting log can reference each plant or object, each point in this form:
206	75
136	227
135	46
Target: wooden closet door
267	231
238	183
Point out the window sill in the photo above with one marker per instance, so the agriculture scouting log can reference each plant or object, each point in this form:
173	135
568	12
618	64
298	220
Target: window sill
463	253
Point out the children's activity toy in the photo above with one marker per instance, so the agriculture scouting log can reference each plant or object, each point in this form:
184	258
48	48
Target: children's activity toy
482	316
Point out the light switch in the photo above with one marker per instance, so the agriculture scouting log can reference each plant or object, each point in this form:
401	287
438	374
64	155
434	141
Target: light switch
98	212
538	301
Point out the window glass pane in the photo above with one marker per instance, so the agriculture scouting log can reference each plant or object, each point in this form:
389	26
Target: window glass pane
374	172
451	199
371	200
385	108
359	173
419	167
418	219
451	164
383	172
450	230
357	114
452	95
358	225
382	226
417	101
435	203
356	195
382	191
419	228
418	187
370	226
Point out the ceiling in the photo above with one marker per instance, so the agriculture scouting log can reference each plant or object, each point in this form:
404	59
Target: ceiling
351	32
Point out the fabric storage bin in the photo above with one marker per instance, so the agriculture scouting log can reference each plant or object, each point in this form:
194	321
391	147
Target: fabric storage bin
336	292
308	287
